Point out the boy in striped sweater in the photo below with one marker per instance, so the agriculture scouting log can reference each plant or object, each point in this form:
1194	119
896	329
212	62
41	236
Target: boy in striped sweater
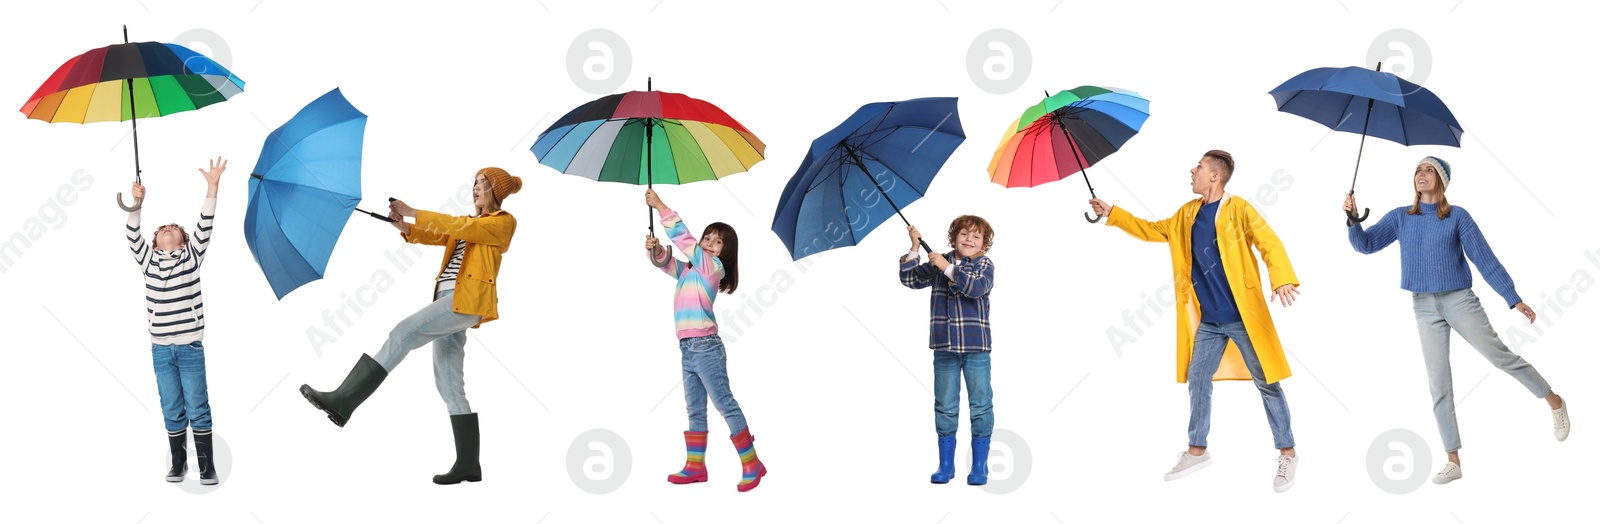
176	314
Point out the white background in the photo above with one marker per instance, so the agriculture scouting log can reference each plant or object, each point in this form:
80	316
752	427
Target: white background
826	356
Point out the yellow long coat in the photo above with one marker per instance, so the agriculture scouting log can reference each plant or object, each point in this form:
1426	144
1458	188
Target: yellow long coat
1239	227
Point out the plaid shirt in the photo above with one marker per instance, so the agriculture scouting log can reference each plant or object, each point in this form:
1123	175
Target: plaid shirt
960	307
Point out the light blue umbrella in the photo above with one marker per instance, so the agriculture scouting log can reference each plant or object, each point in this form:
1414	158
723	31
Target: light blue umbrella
302	191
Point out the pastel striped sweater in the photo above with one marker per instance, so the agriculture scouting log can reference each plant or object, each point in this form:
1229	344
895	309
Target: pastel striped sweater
1434	252
173	305
698	280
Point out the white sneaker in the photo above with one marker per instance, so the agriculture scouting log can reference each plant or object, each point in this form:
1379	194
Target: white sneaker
1285	478
1563	426
1188	464
1451	471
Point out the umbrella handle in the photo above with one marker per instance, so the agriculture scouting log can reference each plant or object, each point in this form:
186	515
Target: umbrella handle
1362	218
1094	220
138	203
925	246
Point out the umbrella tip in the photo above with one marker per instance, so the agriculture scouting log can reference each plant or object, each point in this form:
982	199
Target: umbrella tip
648	81
256	176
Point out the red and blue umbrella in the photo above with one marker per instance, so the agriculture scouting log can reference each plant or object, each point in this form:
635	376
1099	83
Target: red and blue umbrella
864	171
613	139
129	81
1389	107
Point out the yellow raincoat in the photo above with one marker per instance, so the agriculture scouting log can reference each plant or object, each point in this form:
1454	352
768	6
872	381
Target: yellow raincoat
1238	228
488	237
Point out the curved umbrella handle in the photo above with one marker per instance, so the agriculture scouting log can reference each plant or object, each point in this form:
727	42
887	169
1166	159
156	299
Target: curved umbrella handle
1094	220
1362	218
137	203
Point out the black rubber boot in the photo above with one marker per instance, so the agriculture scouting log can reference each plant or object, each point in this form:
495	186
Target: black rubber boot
340	403
465	428
177	443
202	457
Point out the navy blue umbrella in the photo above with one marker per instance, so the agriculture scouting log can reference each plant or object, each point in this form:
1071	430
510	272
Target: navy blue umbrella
1388	107
862	172
302	191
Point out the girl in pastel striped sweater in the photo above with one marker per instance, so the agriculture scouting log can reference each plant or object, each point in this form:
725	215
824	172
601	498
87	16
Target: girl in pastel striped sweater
1436	241
713	266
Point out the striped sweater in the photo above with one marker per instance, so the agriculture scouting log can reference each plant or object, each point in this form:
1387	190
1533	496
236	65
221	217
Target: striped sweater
1434	252
698	280
172	281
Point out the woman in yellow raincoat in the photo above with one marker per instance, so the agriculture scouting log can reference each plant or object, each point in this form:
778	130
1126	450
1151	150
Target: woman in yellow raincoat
1224	330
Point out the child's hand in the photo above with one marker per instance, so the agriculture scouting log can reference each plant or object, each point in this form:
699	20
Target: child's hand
138	191
214	174
652	200
916	237
938	261
651	243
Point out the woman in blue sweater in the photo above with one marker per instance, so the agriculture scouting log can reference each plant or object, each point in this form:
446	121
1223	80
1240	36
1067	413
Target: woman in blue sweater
1436	240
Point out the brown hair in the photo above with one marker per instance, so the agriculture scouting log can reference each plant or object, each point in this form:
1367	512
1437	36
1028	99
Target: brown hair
729	255
1222	162
965	222
174	225
1443	211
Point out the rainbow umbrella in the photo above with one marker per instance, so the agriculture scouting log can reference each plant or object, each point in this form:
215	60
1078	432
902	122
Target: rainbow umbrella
612	139
1066	134
129	81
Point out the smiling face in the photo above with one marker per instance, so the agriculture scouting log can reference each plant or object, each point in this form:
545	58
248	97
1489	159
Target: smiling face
969	242
482	194
711	243
1425	179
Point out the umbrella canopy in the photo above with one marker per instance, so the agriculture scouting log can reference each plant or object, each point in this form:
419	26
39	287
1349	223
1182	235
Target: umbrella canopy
864	171
613	139
302	191
1370	102
129	81
1073	130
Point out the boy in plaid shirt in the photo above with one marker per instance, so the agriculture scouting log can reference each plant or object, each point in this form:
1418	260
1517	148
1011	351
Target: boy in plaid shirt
959	337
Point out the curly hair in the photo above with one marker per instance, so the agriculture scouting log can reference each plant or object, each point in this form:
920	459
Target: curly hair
965	222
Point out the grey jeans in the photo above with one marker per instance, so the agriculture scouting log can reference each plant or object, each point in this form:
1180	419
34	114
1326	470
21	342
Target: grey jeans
447	330
1437	314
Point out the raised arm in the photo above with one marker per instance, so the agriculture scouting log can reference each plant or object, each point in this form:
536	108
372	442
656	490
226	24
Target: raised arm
492	230
1380	236
136	242
973	279
201	239
1477	248
916	274
1137	227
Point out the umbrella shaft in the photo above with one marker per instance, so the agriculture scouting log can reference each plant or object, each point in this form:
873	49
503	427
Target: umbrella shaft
1364	123
133	110
1077	156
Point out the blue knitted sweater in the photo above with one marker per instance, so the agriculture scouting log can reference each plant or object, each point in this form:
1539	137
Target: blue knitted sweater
1431	251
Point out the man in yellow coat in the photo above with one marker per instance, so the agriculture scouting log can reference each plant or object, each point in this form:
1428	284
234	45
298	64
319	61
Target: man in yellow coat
1224	330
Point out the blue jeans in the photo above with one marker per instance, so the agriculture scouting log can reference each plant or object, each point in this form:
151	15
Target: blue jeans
447	330
1209	343
705	374
181	380
1437	314
948	368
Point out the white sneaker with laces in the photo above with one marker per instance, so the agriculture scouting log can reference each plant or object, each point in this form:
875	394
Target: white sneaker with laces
1188	464
1451	471
1563	426
1285	477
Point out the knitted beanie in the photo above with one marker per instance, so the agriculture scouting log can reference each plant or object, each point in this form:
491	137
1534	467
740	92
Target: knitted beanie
1439	166
501	182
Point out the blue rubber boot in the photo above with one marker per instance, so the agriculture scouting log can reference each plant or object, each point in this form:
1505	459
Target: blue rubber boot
947	460
980	462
